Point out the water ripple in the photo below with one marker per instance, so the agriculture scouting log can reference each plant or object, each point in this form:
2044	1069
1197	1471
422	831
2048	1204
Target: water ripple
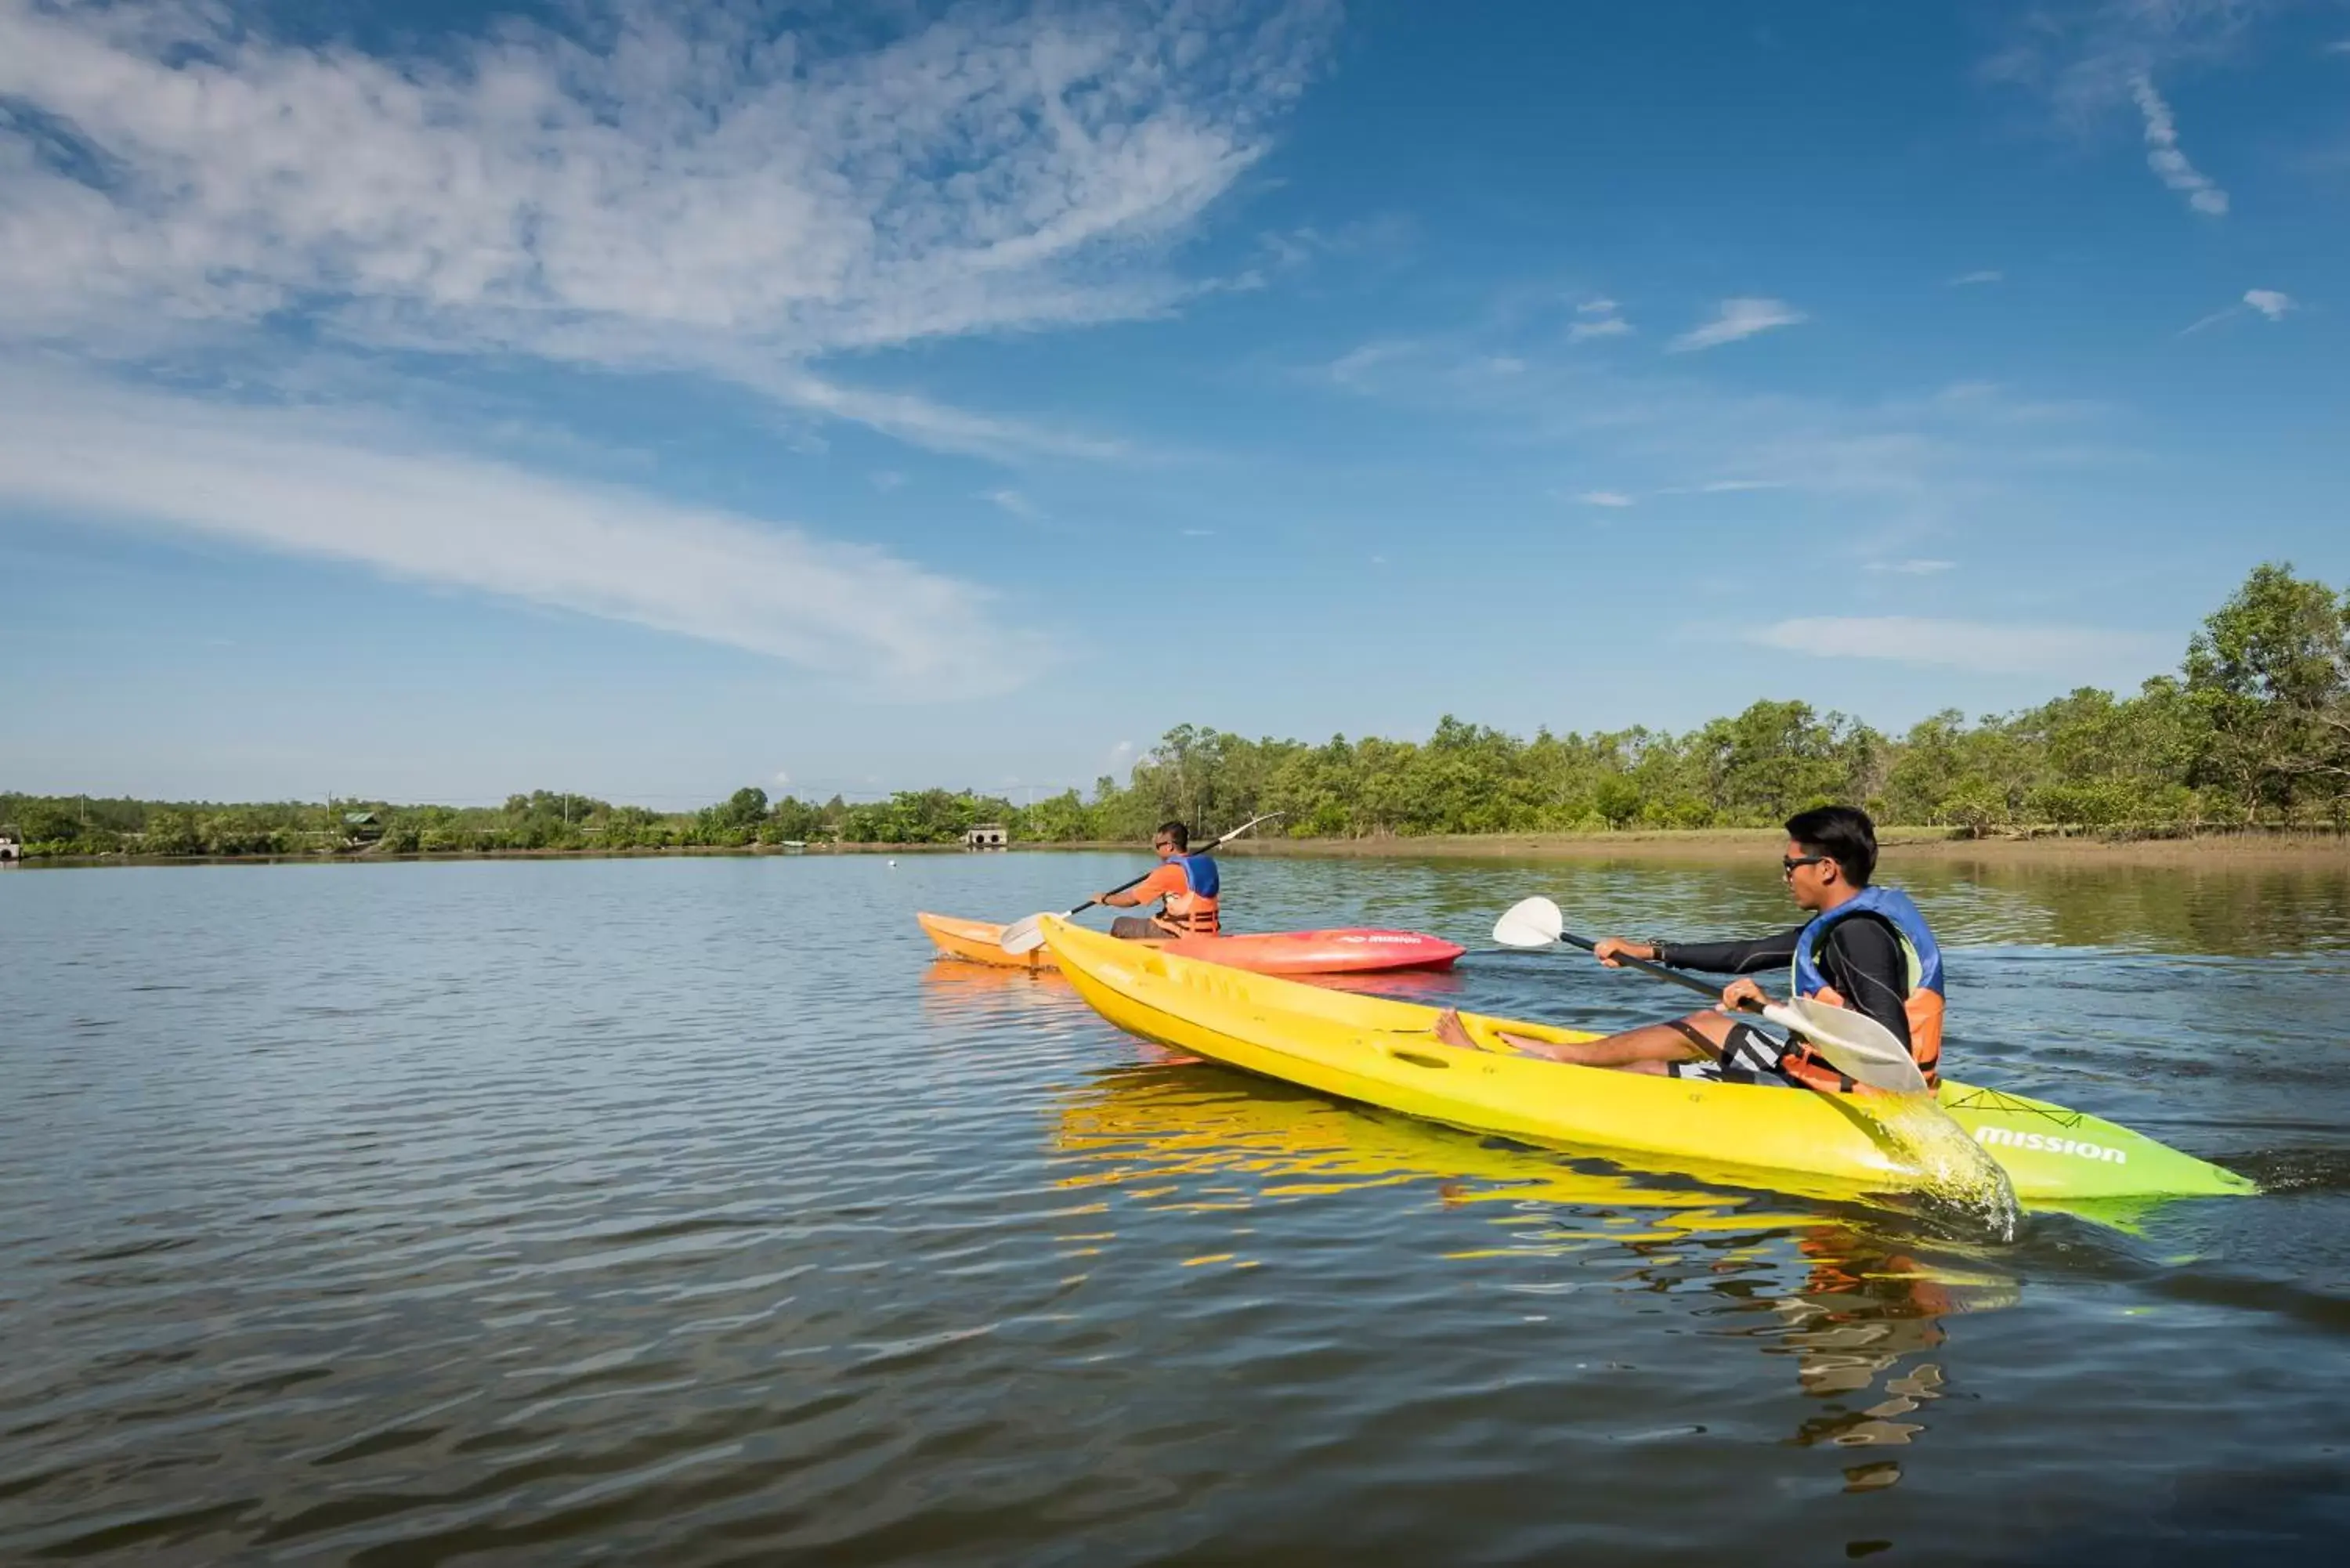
685	1211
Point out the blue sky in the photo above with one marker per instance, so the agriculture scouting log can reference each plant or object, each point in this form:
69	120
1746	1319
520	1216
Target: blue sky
433	401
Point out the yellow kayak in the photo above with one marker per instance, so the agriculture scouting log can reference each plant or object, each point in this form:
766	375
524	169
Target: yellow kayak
1383	1052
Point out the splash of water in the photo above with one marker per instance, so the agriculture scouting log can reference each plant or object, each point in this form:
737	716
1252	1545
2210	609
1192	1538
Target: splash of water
1953	1176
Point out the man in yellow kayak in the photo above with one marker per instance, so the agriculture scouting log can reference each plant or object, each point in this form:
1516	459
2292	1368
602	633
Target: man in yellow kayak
1864	948
1187	885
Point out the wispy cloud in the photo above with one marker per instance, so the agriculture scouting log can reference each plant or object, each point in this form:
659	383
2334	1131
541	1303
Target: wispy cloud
1385	234
656	187
1987	647
1014	502
1919	466
1738	319
886	480
1912	568
1597	318
2163	155
1967	279
2273	303
1712	487
326	486
1353	368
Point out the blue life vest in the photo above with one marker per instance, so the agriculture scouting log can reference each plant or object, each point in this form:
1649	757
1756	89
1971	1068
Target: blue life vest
1922	1009
1893	905
1200	870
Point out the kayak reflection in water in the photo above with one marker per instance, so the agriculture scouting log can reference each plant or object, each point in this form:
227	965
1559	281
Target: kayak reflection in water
1867	1310
1864	948
1187	884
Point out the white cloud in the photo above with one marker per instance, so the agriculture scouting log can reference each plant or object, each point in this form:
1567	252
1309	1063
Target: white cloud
1605	326
311	483
1353	367
1387	233
1738	319
1965	279
1012	501
2162	154
1601	319
1912	568
1198	533
887	479
782	778
658	188
1729	486
2269	302
1987	647
1604	498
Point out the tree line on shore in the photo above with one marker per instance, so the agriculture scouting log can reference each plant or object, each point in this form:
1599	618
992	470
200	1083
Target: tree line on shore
2252	731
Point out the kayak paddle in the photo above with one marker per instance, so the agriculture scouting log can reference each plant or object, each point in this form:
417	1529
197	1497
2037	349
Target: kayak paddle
1861	1048
1025	935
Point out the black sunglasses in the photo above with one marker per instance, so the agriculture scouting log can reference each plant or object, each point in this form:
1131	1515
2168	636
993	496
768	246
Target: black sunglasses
1787	864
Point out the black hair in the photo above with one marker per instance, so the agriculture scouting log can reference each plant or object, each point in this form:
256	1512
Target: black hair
1176	834
1842	833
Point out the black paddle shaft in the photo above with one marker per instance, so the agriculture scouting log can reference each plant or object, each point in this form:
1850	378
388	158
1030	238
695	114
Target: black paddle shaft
1218	844
1645	967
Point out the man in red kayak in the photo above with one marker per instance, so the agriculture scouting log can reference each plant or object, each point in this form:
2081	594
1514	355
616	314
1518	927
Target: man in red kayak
1187	884
1864	948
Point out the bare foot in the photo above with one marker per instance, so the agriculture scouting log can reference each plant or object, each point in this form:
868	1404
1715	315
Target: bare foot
1449	1030
1527	1045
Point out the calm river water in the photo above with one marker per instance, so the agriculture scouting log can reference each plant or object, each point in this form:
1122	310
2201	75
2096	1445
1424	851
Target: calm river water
685	1211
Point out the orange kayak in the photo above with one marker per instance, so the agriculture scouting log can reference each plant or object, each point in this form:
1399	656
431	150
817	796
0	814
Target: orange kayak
1350	951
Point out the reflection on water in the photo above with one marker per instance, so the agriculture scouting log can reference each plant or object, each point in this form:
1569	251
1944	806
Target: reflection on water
1852	1304
685	1211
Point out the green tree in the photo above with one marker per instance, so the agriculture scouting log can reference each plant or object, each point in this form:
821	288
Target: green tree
2271	674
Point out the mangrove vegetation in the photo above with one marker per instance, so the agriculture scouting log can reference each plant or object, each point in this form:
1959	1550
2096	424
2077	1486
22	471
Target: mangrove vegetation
2252	732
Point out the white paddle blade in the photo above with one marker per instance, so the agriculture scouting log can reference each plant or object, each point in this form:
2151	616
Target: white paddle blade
1861	1048
1530	923
1023	936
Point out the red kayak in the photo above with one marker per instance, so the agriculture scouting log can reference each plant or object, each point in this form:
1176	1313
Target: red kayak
1351	950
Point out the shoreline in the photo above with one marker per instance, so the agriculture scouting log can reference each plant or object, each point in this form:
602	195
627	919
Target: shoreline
1898	847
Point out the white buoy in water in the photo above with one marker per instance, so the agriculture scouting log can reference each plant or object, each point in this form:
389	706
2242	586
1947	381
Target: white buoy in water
893	865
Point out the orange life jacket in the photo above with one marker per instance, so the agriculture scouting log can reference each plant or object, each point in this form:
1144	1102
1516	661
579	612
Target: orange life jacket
1193	911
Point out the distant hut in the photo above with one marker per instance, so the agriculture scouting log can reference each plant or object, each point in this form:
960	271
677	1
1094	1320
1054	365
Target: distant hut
362	826
987	836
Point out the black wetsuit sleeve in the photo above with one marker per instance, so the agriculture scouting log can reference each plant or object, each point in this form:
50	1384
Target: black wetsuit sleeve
1733	957
1863	960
